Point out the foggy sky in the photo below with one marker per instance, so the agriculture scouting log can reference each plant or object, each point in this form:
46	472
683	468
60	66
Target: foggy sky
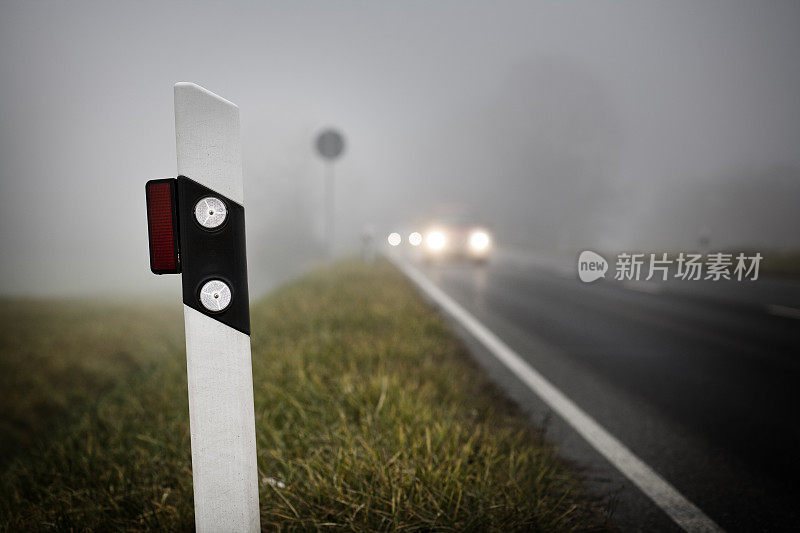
580	124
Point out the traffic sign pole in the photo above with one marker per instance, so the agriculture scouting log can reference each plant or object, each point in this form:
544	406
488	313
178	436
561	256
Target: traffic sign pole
330	145
330	206
216	311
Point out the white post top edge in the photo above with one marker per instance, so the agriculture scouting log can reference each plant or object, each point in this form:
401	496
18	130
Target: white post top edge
194	87
207	140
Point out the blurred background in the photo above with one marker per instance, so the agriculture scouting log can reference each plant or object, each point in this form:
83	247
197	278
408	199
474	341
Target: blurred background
601	125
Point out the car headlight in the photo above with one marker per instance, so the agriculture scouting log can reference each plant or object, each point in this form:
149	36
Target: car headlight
436	240
479	241
415	239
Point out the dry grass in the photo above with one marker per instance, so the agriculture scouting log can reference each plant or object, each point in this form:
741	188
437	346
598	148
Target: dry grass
369	416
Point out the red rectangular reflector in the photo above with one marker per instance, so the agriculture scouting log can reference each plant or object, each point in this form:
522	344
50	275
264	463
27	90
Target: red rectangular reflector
162	226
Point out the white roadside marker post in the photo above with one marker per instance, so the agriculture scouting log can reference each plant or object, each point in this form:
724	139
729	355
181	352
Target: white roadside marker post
200	233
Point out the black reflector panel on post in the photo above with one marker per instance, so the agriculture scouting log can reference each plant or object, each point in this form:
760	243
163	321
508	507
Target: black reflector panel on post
162	226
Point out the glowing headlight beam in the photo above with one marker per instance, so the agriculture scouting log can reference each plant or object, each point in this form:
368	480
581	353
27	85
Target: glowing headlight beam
415	239
479	240
394	239
436	240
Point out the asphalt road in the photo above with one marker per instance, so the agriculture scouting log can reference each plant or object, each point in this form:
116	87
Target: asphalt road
698	378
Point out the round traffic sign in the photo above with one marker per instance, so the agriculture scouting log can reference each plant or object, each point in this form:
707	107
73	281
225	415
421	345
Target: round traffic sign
330	144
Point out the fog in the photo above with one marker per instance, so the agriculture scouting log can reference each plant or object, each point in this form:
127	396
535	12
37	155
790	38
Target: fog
605	125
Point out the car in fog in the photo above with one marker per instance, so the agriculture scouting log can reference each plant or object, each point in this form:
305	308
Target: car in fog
456	237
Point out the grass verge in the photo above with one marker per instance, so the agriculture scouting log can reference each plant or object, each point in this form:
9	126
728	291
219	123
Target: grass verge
369	416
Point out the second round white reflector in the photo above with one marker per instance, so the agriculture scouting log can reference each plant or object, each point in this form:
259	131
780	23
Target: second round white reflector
215	295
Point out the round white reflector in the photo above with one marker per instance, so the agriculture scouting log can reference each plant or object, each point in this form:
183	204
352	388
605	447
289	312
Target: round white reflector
210	212
215	295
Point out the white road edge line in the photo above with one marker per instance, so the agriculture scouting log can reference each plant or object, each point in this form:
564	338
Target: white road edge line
687	515
784	311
